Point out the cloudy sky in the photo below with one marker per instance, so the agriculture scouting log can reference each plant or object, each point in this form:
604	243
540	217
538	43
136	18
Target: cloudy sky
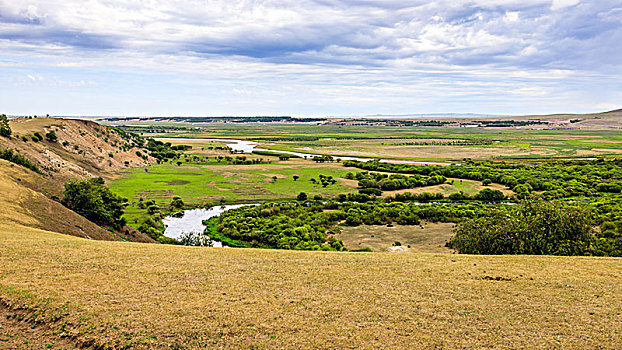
309	57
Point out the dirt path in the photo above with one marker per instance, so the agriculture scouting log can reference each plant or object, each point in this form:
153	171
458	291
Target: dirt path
16	334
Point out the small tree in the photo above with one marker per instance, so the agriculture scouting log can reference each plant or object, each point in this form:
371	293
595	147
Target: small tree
296	177
5	129
301	196
51	136
486	182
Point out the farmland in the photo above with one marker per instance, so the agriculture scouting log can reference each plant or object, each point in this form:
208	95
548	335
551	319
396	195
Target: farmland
420	143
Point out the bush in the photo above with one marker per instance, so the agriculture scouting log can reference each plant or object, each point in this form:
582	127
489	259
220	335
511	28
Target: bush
5	128
51	136
535	228
37	136
177	203
301	196
488	195
91	199
14	157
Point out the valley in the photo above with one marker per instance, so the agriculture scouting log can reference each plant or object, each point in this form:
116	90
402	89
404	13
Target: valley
340	227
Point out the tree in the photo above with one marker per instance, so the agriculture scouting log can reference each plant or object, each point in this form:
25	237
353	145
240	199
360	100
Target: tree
488	195
51	136
301	196
5	128
296	177
91	199
486	182
274	178
535	228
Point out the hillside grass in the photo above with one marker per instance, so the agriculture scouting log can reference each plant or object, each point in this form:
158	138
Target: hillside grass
158	296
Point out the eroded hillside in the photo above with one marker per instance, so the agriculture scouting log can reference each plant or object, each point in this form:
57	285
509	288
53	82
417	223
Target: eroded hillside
82	150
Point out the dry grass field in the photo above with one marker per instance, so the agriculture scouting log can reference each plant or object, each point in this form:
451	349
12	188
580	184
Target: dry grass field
152	296
429	237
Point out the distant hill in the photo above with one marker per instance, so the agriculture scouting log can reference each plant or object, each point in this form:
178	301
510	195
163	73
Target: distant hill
83	149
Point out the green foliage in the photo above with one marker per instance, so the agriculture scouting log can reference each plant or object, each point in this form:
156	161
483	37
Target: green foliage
301	196
553	178
534	228
51	136
5	128
488	195
393	182
14	157
282	226
177	203
37	137
91	199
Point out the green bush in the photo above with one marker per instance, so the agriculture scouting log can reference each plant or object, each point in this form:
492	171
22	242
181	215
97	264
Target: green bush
534	228
51	136
91	199
14	157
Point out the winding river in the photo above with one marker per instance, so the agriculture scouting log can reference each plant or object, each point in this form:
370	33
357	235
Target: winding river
246	146
192	221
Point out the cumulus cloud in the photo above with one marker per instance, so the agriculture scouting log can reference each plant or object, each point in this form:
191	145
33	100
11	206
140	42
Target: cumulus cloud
322	43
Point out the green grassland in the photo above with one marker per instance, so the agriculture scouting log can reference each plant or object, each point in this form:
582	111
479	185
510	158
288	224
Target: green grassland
392	142
157	296
212	183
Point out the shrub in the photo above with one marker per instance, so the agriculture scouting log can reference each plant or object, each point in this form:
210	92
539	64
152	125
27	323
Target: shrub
37	136
177	203
301	196
14	157
91	199
536	228
51	136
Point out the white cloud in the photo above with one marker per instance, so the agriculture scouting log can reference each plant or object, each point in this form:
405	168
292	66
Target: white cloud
560	4
327	50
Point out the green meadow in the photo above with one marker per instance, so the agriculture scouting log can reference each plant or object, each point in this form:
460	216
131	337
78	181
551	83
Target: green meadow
214	183
400	142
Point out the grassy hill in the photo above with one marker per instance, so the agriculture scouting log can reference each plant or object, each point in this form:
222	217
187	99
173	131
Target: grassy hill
81	151
119	295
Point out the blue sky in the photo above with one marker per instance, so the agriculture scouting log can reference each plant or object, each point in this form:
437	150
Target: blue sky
309	58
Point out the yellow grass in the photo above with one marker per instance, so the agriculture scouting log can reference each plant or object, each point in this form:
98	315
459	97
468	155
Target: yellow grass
152	296
429	237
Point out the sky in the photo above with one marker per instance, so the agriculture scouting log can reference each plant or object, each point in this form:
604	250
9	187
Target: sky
309	57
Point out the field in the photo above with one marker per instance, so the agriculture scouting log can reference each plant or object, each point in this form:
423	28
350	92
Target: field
153	296
207	185
469	187
429	237
406	142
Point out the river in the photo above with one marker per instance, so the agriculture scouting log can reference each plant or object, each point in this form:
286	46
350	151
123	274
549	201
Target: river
192	221
246	146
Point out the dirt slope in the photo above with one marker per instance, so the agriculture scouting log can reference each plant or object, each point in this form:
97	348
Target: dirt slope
25	201
81	152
